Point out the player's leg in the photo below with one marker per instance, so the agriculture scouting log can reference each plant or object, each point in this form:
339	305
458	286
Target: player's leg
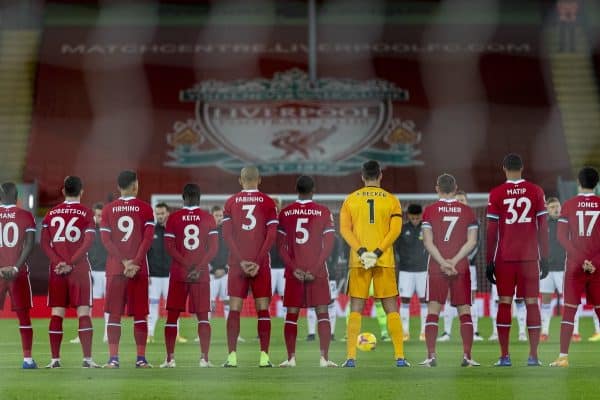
311	323
58	300
116	293
506	280
431	332
154	290
98	293
290	333
528	287
406	287
137	299
200	305
261	290
384	287
21	302
324	327
381	317
493	303
521	314
547	289
359	281
332	308
26	332
474	309
237	288
176	298
86	333
449	314
421	290
460	295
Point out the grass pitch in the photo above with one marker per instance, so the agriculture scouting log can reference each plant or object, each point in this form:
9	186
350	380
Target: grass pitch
375	378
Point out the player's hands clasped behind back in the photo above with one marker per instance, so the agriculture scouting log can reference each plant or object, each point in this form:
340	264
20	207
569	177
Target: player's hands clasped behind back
62	268
130	269
303	276
250	268
588	267
193	274
448	267
8	273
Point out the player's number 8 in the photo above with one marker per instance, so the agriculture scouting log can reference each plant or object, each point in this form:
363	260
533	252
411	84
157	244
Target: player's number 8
125	225
71	232
4	235
191	240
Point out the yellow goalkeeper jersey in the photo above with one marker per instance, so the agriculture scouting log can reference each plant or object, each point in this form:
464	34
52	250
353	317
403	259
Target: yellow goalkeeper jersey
371	218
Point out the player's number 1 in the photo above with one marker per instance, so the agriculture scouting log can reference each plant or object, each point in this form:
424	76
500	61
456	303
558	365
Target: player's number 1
371	210
9	229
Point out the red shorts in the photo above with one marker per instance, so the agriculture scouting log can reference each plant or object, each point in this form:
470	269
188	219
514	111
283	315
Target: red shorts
438	285
306	294
121	291
198	293
71	290
525	275
578	282
19	290
238	283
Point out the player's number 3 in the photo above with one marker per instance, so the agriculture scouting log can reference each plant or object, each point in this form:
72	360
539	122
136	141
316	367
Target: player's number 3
249	208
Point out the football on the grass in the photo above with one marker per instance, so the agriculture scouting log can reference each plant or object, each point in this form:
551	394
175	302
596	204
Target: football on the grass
366	341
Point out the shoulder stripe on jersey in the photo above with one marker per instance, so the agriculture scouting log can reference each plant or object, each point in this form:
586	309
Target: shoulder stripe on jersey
213	232
105	229
226	219
273	221
473	227
282	232
492	216
150	223
169	235
563	220
426	225
544	212
328	231
91	230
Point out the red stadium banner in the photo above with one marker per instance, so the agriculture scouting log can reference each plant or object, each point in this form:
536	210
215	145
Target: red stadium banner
195	103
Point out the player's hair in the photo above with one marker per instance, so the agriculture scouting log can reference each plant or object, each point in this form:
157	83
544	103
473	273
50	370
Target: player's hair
588	177
552	200
446	183
371	170
8	191
126	179
305	184
98	206
73	186
512	162
414	209
191	192
461	193
215	208
162	204
249	173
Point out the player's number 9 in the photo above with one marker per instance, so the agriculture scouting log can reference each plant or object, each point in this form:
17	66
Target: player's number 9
71	232
301	230
125	225
191	241
249	208
5	231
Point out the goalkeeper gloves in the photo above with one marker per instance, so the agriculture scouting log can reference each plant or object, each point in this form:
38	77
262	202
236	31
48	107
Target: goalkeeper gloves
368	259
490	272
544	268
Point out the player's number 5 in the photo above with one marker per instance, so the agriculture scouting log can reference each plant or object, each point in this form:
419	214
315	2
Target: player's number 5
71	232
301	230
249	208
5	231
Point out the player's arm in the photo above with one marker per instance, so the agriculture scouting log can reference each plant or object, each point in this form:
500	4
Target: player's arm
88	241
283	251
346	230
469	245
147	239
229	239
393	232
326	249
106	236
46	243
169	240
270	238
564	238
491	234
543	233
27	249
212	248
430	246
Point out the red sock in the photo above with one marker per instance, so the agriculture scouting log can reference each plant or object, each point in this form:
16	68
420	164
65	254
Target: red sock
566	328
113	331
171	333
233	330
290	332
466	332
56	334
264	329
431	332
534	327
140	333
26	331
204	332
324	328
85	335
503	322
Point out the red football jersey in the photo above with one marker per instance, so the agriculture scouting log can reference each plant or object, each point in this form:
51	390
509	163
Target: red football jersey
516	206
249	212
65	227
190	229
580	216
450	222
126	221
304	223
14	223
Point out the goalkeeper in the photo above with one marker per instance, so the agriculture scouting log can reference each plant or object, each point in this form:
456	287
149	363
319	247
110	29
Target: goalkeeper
370	222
